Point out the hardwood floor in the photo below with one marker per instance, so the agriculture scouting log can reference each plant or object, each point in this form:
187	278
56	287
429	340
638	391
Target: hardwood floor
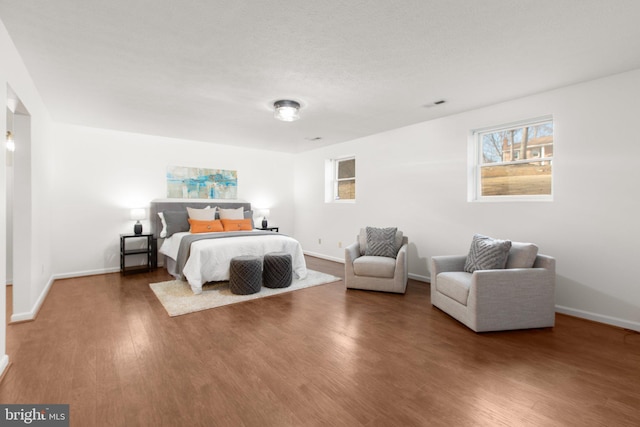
317	356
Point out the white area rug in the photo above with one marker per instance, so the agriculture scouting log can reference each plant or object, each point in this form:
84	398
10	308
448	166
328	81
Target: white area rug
177	297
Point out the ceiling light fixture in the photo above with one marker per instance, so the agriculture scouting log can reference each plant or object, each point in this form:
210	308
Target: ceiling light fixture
286	110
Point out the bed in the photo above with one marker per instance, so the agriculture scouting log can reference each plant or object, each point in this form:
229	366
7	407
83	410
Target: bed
204	257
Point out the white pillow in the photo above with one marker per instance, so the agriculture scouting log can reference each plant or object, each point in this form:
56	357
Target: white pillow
231	213
163	233
206	214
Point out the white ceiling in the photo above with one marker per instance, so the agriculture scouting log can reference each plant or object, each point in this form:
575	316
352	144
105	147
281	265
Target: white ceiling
210	70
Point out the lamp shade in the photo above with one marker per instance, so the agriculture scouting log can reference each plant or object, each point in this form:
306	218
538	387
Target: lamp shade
286	110
138	214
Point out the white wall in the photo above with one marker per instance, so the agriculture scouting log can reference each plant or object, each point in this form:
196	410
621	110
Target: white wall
101	174
416	178
27	298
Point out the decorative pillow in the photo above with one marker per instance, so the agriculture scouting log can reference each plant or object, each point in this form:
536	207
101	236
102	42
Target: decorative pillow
249	215
362	240
231	213
381	242
206	214
486	254
236	224
205	226
522	255
163	233
177	221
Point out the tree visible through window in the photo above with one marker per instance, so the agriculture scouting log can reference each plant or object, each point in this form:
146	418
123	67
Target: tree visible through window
345	179
515	161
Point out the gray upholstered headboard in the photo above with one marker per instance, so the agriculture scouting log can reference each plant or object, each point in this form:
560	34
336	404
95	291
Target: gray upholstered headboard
181	204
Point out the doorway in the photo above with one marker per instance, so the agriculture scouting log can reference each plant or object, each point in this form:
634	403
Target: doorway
18	205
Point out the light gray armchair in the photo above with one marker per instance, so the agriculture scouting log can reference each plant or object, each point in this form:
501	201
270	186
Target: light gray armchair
376	273
495	300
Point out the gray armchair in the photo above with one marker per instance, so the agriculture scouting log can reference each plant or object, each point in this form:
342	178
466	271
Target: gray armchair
495	300
376	273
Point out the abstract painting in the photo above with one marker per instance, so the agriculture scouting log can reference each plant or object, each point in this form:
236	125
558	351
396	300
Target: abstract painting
199	183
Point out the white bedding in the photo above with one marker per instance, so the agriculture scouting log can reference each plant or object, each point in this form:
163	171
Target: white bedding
209	259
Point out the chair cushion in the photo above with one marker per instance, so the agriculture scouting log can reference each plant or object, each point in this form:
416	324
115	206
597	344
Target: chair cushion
522	255
486	253
455	285
374	266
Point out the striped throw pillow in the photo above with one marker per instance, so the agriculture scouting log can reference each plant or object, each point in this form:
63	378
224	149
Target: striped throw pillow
381	242
487	253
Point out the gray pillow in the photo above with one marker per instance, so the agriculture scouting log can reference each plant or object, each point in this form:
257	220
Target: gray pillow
362	240
381	242
522	255
486	254
249	215
177	221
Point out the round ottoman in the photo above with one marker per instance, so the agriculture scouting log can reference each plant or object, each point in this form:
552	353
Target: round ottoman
278	271
245	275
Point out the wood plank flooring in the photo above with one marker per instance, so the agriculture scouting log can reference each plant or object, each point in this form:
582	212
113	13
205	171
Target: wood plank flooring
321	356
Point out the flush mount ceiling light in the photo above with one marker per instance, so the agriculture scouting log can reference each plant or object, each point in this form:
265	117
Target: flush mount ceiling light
286	110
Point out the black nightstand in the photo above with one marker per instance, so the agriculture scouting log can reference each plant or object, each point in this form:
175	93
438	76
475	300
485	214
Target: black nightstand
276	229
150	250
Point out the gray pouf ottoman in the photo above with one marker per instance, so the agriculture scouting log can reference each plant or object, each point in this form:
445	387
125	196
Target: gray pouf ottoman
278	271
245	275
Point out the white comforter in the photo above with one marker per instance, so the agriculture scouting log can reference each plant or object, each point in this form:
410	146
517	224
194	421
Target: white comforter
209	259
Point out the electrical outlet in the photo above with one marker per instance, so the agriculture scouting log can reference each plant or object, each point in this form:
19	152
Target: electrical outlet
339	244
319	241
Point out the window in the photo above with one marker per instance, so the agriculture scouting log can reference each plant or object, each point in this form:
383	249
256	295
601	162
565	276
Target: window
513	161
341	180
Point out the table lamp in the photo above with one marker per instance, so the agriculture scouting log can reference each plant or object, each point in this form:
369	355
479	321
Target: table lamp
265	213
137	215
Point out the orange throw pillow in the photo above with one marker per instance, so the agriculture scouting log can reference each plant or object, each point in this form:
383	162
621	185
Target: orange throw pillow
236	224
205	226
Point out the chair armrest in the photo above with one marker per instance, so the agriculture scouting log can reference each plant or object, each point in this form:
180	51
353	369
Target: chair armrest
440	264
515	298
402	263
493	287
351	252
545	261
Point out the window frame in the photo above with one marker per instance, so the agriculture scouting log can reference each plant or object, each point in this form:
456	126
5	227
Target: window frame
331	176
476	164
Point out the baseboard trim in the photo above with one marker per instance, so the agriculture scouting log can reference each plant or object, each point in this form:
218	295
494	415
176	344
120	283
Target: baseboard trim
31	315
4	364
420	278
327	257
86	273
600	318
